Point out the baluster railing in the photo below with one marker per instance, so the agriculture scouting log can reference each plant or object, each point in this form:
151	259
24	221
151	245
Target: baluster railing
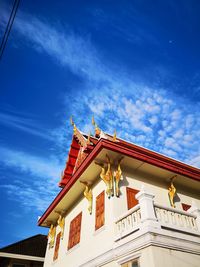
176	219
128	222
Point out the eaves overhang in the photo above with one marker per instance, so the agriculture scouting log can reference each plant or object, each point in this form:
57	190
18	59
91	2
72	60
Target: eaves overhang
132	151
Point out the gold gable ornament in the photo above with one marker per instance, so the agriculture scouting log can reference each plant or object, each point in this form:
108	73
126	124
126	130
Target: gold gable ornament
61	222
106	176
51	235
118	177
172	192
88	195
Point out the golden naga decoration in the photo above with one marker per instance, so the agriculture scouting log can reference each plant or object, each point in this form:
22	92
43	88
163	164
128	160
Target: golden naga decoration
106	176
61	222
80	137
88	195
51	235
97	129
73	124
88	139
114	136
172	192
118	176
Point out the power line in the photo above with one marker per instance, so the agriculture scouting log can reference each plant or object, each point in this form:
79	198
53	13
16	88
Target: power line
8	27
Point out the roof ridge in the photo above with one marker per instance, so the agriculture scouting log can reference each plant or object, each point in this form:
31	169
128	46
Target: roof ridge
21	241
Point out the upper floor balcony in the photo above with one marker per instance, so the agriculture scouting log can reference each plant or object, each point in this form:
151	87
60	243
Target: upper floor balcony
148	216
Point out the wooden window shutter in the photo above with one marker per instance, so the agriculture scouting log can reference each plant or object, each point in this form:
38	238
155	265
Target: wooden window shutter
55	256
75	231
185	206
100	207
131	200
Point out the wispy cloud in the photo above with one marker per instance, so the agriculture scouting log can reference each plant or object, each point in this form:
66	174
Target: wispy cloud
76	52
68	49
24	123
41	174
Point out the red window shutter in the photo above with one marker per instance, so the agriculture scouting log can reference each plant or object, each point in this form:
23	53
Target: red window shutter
131	200
100	207
75	231
185	206
55	256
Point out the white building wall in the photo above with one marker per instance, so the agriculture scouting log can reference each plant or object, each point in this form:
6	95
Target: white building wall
94	243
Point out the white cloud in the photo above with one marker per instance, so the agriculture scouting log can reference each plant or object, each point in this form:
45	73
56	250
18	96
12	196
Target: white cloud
149	118
42	176
25	124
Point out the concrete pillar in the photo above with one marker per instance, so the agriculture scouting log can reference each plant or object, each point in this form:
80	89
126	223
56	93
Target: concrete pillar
194	209
145	199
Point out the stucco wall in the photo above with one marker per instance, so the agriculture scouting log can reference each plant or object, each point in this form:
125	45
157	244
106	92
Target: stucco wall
157	187
167	257
94	243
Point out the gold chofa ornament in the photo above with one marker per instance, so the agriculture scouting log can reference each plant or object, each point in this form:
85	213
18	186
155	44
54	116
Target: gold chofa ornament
88	195
172	192
97	129
73	124
51	235
118	177
61	223
106	176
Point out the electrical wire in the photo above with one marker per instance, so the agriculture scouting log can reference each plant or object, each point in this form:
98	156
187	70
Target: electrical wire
8	27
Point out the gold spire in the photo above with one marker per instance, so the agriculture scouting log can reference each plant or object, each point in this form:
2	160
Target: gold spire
97	129
115	136
88	139
72	123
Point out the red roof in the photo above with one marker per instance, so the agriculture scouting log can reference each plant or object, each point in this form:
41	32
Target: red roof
75	158
126	149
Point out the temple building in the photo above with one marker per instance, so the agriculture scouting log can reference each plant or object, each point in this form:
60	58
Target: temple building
123	205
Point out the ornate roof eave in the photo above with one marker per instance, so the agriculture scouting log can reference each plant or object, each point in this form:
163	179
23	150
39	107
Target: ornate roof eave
130	150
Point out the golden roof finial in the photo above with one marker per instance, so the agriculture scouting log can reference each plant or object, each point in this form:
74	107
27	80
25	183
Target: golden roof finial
97	130
72	123
88	139
115	136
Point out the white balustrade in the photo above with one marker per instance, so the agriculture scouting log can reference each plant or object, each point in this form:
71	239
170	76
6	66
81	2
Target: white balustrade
175	219
128	223
148	216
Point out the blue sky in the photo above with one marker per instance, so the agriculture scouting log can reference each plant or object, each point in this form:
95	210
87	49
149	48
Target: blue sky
133	64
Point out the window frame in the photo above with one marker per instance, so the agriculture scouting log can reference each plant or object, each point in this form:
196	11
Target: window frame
100	211
57	246
75	231
130	190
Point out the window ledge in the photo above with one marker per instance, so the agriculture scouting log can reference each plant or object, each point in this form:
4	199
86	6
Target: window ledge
73	248
102	228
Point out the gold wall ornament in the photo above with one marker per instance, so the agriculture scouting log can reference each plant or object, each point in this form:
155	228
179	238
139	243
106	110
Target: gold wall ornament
118	176
61	223
106	176
172	192
88	195
51	235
